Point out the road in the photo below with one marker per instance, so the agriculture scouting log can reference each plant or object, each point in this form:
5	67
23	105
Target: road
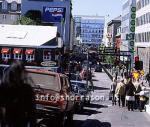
102	114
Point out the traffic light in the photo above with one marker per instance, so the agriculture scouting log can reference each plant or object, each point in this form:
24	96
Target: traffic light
138	63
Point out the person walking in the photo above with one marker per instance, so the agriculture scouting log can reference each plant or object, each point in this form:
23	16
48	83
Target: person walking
120	92
130	89
138	88
18	102
112	91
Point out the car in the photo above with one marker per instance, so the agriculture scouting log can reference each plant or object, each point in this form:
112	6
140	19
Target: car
52	91
83	89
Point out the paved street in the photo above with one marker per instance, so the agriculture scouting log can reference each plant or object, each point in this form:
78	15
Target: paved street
102	114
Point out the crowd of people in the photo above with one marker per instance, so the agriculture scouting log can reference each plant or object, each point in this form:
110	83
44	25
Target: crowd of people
129	91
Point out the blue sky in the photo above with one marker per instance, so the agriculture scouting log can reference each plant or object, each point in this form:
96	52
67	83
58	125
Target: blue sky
97	7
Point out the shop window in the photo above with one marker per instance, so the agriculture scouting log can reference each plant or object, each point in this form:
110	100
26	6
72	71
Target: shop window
47	55
5	53
17	54
30	55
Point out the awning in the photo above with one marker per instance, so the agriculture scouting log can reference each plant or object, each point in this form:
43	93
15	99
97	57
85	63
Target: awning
5	50
29	51
17	50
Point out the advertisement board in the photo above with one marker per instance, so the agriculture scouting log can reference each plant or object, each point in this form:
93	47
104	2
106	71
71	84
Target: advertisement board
53	14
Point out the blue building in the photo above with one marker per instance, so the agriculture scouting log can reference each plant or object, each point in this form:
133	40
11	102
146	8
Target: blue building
89	29
52	12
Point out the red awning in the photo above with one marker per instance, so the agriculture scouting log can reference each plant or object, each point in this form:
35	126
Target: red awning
29	51
5	50
17	50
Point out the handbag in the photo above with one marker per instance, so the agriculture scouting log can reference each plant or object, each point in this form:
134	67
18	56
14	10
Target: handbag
130	98
110	95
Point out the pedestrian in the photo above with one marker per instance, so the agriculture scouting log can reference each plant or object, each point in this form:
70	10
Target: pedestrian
112	91
143	98
138	88
18	102
148	78
130	89
120	91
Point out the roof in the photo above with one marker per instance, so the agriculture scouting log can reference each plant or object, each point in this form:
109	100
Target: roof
26	35
10	1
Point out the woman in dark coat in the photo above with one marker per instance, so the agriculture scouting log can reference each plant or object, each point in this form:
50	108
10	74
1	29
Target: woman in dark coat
17	98
130	90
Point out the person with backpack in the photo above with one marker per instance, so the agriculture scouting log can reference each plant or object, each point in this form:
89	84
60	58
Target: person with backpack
112	91
120	92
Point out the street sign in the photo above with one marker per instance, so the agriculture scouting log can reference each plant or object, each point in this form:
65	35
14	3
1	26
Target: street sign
48	63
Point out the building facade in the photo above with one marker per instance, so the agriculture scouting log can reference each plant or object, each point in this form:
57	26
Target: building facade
128	28
112	27
55	12
10	11
142	36
89	29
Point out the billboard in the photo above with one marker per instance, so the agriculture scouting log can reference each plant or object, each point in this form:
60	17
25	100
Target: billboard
53	14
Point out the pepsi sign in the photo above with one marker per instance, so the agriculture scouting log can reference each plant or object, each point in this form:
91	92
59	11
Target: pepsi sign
53	14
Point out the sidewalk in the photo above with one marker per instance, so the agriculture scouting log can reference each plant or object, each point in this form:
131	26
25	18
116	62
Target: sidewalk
118	117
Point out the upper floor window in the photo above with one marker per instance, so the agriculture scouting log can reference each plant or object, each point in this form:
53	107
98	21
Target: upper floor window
4	5
13	6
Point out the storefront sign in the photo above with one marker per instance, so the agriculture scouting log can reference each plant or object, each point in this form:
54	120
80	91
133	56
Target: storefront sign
53	14
48	63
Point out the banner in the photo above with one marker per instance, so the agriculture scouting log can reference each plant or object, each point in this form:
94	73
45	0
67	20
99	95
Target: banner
53	14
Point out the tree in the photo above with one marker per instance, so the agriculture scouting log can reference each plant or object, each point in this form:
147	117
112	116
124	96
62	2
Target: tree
26	21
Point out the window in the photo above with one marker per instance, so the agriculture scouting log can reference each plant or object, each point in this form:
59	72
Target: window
47	55
30	55
4	17
4	5
17	53
13	6
5	53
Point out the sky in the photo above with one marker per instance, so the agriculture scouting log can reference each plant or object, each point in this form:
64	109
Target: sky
98	7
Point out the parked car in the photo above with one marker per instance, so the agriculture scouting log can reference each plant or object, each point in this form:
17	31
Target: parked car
83	90
52	90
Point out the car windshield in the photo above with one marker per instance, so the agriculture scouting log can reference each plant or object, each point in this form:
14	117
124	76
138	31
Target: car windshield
45	81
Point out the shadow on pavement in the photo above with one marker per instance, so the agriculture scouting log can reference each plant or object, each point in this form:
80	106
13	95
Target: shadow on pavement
96	106
90	123
88	112
100	88
95	80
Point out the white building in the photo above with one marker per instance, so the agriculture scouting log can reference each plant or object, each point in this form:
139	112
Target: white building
142	37
128	27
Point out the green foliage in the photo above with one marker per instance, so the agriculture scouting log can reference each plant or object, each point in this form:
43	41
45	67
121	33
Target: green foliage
109	59
26	21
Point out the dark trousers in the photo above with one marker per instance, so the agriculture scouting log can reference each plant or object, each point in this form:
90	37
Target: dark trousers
121	99
137	102
130	105
113	98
